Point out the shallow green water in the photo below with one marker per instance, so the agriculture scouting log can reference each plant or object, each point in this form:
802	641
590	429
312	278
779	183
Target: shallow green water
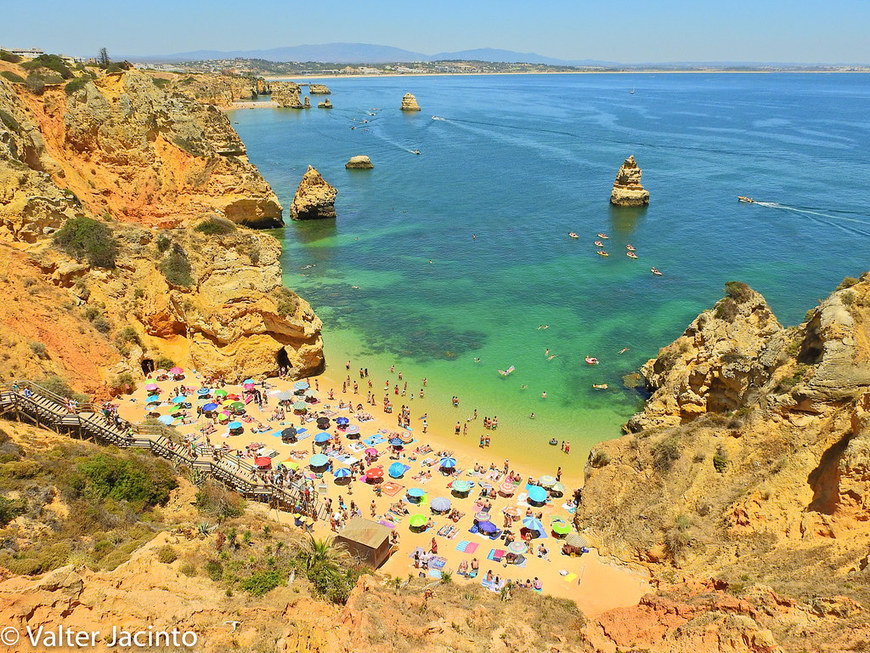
522	160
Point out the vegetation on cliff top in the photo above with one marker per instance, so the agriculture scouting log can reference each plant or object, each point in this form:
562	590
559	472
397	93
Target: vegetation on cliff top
86	238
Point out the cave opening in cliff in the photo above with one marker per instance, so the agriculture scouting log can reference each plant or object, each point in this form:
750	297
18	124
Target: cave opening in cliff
147	366
283	361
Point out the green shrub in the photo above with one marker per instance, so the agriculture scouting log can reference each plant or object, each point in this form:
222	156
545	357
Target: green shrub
35	84
8	57
126	480
599	459
164	363
75	85
726	309
259	583
10	509
87	238
51	62
160	82
682	522
214	569
286	300
187	569
720	460
176	268
12	77
166	555
101	324
10	122
128	336
38	349
124	382
57	385
665	454
847	282
215	226
738	291
163	243
219	503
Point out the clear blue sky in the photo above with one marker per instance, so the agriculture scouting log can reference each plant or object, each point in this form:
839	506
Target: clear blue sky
813	31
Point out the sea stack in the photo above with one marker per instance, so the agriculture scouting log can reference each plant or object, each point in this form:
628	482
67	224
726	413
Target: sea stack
306	104
627	190
318	89
287	94
409	103
359	162
326	104
315	198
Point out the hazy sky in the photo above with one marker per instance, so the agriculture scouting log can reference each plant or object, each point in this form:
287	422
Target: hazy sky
814	31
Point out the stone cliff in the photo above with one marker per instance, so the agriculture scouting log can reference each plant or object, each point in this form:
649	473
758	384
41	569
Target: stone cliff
314	199
219	90
287	94
409	103
748	465
627	189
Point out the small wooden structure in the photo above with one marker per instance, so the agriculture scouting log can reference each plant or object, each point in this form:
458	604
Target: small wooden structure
366	540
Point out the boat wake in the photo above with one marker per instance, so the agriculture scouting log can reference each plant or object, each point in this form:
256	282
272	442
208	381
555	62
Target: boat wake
824	218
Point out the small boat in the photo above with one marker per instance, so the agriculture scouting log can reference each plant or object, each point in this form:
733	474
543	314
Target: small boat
591	360
631	92
598	243
415	152
573	235
630	248
599	386
601	252
604	236
508	371
631	255
747	200
655	271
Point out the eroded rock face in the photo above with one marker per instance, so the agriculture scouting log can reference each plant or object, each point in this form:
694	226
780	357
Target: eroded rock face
287	94
627	189
315	198
409	103
359	162
220	90
326	104
318	89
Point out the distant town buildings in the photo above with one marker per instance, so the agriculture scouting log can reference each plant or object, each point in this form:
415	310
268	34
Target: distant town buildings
30	53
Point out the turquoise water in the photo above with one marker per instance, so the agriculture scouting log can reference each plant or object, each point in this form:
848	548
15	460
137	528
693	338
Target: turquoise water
520	161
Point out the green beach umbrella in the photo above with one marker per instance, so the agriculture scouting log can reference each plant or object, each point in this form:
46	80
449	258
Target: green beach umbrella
237	405
417	521
174	409
300	405
560	527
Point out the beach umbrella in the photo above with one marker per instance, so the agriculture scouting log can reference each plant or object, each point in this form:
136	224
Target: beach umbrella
483	515
396	470
406	437
233	396
371	452
263	462
283	396
318	460
558	489
461	485
292	464
537	494
547	481
353	428
574	539
301	385
415	494
152	399
152	387
323	420
203	392
343	472
440	504
289	433
180	399
210	407
506	488
176	370
513	511
248	387
174	409
518	547
560	527
220	393
166	419
533	524
342	421
417	521
248	382
396	442
448	462
486	527
300	405
322	437
375	472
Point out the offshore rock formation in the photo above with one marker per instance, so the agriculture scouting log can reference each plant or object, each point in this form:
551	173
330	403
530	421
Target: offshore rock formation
359	162
749	464
123	146
318	89
627	190
287	95
326	104
307	103
409	103
314	199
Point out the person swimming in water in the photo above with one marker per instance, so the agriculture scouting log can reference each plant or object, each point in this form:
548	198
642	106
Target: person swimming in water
623	350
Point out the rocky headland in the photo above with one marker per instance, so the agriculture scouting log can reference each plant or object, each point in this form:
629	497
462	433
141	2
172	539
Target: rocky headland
627	189
409	103
314	199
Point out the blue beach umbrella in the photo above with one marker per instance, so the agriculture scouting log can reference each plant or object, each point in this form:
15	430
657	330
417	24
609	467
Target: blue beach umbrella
203	391
396	442
299	385
152	399
343	472
235	426
415	494
247	381
208	408
166	419
448	463
440	504
461	486
533	524
487	527
322	437
537	494
342	421
318	460
396	470
180	399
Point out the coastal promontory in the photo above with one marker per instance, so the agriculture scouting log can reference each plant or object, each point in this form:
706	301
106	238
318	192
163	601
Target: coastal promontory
409	103
314	199
627	189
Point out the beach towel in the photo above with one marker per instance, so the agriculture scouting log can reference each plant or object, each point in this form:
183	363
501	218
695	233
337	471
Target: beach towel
435	573
570	577
444	530
301	434
392	489
437	563
496	555
467	547
374	440
474	529
471	574
387	523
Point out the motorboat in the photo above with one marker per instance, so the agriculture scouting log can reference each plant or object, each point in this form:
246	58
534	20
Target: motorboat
573	235
747	200
631	255
655	271
630	248
604	236
601	252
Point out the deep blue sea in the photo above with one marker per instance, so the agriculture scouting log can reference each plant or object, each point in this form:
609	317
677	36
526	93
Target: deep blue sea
520	161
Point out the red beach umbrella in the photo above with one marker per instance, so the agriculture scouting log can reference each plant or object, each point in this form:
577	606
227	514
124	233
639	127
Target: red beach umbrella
263	462
375	472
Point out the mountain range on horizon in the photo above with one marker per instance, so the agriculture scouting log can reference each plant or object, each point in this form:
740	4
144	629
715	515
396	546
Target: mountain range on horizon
361	53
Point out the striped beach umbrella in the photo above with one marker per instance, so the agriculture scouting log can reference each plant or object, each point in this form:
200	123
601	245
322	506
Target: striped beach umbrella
440	504
342	472
547	480
506	488
202	392
417	521
461	486
448	462
560	526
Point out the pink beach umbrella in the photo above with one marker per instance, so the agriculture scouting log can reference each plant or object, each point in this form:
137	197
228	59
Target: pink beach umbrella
176	371
371	451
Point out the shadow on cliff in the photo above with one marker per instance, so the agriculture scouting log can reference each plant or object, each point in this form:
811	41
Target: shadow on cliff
624	219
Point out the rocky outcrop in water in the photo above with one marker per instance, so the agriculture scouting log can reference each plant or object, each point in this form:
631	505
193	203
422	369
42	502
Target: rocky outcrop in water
306	104
318	89
409	103
314	199
627	189
326	104
287	95
359	162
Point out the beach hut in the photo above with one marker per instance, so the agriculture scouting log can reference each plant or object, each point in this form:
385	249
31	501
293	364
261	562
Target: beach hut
537	494
366	540
396	470
440	504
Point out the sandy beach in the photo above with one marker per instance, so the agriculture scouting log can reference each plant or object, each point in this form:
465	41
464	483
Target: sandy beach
596	583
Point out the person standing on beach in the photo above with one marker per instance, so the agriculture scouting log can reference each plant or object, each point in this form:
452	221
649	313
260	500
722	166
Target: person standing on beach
456	430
